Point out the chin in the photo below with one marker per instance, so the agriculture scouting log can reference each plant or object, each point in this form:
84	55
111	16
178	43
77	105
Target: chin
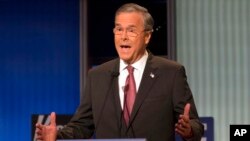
125	59
124	56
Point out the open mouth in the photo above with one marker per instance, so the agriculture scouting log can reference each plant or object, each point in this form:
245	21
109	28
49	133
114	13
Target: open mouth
125	46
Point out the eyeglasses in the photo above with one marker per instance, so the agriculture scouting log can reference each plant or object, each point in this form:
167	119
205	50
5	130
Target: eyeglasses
131	31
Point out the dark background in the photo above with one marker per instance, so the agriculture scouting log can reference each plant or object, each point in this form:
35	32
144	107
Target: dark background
101	23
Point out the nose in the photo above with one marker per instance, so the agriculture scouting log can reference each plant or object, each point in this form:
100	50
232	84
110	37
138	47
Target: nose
124	35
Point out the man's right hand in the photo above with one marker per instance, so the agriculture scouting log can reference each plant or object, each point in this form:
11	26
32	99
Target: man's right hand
47	132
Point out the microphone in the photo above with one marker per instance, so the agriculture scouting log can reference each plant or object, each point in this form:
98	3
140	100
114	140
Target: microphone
114	74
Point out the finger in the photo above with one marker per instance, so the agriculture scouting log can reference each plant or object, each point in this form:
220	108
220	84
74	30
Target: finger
38	132
53	119
183	131
184	118
39	137
184	122
39	126
179	130
179	127
187	110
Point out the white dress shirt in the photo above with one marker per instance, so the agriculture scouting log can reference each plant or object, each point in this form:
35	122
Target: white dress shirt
139	67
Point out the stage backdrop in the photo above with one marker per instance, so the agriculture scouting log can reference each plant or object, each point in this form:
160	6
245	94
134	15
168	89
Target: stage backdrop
213	38
39	62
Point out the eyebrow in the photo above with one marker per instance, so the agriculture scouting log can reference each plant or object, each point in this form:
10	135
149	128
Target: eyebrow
130	26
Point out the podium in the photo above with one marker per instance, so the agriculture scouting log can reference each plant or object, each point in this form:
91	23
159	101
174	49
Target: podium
105	140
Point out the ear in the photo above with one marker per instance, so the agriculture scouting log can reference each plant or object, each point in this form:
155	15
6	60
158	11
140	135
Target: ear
147	37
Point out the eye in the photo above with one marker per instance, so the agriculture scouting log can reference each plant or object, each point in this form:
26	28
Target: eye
132	30
119	29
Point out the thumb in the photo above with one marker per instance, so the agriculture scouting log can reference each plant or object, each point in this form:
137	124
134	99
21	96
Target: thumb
187	109
53	119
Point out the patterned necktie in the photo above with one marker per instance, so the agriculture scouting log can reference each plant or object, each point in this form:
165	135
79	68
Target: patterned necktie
129	94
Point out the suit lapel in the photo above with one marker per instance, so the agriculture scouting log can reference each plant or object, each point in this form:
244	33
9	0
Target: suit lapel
148	79
117	103
115	94
112	92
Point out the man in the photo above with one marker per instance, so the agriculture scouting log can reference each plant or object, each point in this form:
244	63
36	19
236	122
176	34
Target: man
137	95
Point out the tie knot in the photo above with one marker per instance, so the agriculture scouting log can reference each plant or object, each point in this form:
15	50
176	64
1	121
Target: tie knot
130	69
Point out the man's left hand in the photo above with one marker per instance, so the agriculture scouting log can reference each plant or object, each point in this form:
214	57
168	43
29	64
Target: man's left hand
183	127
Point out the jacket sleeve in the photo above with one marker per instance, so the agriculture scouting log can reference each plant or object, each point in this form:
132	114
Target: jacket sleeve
181	96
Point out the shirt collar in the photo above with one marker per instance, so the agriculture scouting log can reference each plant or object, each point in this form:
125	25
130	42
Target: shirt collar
138	65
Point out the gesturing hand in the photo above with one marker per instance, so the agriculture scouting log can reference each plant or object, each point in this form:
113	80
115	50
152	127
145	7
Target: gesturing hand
183	127
47	132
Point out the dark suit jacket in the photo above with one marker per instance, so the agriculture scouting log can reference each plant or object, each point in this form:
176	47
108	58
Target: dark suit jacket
160	100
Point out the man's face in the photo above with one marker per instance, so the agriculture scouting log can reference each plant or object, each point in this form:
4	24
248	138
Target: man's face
130	36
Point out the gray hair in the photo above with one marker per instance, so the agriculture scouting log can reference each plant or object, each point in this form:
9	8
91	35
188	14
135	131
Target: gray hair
132	7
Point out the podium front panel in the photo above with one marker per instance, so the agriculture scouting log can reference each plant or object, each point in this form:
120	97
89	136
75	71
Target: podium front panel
105	140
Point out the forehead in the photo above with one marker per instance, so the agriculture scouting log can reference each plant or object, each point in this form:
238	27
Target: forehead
128	19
